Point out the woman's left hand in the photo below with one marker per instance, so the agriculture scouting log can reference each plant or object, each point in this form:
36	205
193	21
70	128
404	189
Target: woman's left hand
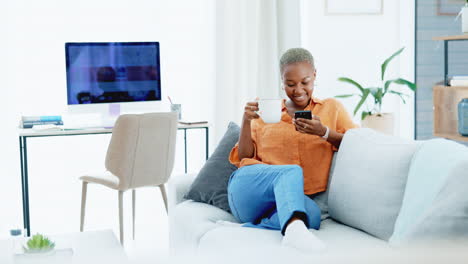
310	126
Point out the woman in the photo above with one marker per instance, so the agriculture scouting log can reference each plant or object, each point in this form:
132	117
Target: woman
279	163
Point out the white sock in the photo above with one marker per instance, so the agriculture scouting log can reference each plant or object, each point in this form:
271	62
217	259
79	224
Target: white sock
299	237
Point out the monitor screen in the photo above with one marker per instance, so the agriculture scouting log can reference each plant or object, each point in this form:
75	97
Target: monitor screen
112	72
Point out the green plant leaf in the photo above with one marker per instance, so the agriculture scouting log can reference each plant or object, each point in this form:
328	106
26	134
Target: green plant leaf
344	95
377	93
364	114
387	84
348	80
401	81
387	61
363	99
410	85
401	95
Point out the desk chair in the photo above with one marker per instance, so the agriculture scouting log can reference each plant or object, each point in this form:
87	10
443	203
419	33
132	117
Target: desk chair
141	153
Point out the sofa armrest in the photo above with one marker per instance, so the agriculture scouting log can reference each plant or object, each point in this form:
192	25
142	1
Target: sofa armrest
178	186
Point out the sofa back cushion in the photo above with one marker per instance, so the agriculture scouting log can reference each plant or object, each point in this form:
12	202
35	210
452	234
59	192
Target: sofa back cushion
435	204
368	183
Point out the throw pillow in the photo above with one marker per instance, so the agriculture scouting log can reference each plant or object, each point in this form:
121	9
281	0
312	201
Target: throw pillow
210	185
435	204
368	183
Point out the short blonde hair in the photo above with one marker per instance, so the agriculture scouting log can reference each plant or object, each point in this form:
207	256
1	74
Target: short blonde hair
296	55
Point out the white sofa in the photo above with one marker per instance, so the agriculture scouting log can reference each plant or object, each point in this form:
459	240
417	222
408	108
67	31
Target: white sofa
366	191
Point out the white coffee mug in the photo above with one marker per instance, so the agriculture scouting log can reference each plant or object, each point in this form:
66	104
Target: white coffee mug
270	110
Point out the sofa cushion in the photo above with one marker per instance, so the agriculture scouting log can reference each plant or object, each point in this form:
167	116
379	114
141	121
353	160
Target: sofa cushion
435	204
253	241
210	186
178	186
369	179
189	221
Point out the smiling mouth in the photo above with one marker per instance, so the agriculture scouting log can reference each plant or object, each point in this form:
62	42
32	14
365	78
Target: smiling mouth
300	97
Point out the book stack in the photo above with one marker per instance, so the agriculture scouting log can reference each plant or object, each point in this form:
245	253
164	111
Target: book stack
460	80
30	121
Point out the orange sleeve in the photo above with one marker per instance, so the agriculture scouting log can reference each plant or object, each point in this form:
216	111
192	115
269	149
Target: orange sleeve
343	121
234	155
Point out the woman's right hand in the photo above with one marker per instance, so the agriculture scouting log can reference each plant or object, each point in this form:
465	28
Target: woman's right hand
246	145
250	111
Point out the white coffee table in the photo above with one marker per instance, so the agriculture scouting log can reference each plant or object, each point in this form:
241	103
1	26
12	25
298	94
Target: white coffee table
87	247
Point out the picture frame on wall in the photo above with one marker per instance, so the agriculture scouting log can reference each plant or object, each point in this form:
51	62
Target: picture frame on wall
355	7
449	7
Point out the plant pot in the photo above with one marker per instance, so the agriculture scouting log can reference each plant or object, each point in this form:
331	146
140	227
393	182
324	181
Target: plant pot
464	18
383	123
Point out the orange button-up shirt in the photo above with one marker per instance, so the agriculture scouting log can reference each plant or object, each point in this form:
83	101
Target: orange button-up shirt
281	144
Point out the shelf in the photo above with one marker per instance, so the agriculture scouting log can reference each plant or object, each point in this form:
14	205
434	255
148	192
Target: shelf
457	136
452	87
457	37
446	99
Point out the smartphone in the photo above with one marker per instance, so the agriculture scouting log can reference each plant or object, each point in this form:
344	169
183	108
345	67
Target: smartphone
303	114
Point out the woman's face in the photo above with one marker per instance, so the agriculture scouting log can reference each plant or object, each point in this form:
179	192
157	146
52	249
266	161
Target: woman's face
298	82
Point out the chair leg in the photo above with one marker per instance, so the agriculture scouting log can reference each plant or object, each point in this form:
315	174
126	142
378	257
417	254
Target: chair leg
121	217
83	204
164	195
133	211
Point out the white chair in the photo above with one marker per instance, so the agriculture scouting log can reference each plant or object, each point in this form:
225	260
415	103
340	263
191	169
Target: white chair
141	153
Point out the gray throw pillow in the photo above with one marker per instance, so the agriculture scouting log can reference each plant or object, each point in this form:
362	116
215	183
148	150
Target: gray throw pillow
210	185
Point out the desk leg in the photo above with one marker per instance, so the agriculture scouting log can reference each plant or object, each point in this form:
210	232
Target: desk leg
24	184
185	149
446	81
206	142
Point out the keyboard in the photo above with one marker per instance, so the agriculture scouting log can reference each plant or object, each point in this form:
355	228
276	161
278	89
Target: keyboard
46	127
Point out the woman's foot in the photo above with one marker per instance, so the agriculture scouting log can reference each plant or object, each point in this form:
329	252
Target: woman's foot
299	237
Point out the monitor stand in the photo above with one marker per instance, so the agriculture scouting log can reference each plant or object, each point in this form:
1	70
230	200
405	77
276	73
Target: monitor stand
113	112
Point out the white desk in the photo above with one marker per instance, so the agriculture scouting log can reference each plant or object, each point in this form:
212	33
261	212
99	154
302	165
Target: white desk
24	134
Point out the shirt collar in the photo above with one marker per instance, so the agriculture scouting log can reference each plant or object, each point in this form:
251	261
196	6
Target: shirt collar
314	100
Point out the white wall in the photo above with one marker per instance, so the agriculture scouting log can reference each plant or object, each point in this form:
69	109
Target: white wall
33	82
355	46
32	70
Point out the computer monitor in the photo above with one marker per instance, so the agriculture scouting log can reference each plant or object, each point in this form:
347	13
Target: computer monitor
112	72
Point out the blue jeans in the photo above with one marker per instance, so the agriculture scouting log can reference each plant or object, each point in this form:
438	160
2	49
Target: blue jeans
267	196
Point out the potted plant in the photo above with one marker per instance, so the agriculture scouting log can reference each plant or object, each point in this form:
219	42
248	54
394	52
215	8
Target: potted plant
373	117
39	245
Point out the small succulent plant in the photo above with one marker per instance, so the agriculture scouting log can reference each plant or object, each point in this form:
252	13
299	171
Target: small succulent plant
38	243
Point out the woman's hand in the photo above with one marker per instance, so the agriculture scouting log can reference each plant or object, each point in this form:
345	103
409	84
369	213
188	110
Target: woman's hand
250	111
310	126
246	145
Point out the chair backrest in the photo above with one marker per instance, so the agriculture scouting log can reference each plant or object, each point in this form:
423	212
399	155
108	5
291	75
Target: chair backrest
142	149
